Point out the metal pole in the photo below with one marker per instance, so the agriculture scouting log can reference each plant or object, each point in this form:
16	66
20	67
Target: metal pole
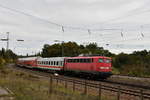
50	84
66	84
62	49
73	85
85	87
141	94
7	41
118	94
100	91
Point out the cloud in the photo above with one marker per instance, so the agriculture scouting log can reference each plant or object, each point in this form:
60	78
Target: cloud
128	15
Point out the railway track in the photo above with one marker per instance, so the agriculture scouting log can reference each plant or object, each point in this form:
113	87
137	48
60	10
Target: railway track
111	85
108	81
130	77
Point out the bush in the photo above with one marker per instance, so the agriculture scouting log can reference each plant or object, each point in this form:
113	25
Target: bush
2	61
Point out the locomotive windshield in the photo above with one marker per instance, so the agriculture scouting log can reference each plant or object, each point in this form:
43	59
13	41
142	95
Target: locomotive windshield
107	61
104	60
101	60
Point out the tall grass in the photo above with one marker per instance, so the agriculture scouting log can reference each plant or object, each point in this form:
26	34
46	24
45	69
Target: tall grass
28	87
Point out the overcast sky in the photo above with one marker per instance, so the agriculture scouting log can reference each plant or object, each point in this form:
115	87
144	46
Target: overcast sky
123	24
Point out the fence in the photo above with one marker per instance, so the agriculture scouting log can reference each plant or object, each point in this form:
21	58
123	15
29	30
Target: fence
101	87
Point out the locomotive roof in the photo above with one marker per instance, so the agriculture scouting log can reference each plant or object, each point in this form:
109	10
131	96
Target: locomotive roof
82	57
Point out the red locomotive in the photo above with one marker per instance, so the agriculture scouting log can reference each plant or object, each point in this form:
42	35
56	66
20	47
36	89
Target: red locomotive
93	66
97	66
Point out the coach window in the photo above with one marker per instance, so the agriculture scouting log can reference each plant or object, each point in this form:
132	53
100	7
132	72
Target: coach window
54	63
51	62
74	60
84	60
57	63
77	60
69	60
88	60
81	60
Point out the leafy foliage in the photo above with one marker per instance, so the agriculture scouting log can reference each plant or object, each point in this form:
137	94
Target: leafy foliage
136	63
6	56
72	49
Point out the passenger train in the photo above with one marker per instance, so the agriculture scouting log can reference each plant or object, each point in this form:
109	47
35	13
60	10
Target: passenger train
98	66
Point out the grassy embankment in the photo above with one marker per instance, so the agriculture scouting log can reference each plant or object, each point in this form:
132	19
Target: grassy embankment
29	87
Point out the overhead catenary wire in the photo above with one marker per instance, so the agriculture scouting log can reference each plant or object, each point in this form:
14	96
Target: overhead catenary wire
63	26
50	22
122	33
142	31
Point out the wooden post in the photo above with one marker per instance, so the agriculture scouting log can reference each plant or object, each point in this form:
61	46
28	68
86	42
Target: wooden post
85	87
50	84
118	94
66	84
73	85
141	91
57	81
100	91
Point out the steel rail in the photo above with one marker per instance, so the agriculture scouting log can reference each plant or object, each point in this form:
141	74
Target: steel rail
128	91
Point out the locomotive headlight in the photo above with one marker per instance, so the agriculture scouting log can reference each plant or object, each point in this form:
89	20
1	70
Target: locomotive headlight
104	67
